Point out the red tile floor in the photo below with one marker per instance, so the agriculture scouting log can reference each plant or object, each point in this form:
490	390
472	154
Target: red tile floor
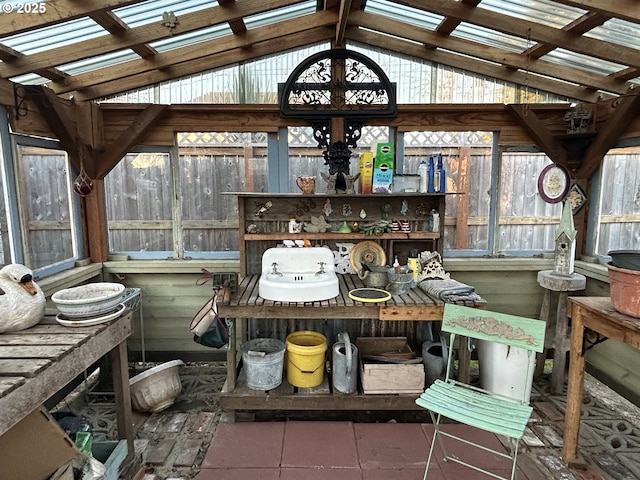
295	450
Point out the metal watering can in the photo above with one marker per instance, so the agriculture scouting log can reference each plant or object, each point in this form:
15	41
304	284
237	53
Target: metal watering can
345	365
373	276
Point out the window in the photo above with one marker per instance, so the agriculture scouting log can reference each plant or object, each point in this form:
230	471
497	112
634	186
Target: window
618	219
527	224
39	220
168	203
138	202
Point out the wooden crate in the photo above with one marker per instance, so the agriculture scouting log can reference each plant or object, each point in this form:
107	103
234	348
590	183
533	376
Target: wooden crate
386	378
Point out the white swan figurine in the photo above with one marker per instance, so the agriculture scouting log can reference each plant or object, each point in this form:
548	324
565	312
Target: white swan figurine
22	302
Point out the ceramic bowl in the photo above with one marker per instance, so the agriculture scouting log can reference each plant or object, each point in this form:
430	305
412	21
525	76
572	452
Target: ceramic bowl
88	300
157	388
629	259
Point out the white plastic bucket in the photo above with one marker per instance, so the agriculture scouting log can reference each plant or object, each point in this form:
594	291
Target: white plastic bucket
503	368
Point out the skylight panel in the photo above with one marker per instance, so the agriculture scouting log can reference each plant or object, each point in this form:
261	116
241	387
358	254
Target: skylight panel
191	38
54	36
543	12
152	10
403	13
280	14
95	63
490	37
617	31
583	62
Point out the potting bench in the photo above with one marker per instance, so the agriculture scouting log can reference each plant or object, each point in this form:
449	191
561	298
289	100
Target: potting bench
38	362
414	306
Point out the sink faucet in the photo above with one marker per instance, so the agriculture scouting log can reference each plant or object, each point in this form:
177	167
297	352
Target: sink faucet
274	269
321	271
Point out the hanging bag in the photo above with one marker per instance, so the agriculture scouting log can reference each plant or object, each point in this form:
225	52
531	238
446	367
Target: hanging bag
207	327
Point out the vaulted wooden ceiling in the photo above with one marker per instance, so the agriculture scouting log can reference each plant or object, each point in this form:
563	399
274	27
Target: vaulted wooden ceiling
579	49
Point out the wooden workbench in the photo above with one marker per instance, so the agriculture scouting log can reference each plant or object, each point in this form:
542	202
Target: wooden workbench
413	306
590	317
38	362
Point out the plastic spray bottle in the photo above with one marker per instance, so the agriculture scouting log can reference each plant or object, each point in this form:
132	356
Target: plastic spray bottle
423	171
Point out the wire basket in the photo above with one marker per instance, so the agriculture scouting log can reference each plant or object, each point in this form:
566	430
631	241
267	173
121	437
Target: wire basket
132	298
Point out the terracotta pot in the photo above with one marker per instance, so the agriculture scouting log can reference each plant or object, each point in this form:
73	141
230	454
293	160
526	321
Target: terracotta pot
625	290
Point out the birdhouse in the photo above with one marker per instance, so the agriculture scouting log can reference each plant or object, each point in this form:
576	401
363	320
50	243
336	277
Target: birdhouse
565	243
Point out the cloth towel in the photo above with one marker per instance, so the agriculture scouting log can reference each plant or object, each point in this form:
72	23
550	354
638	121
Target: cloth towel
449	290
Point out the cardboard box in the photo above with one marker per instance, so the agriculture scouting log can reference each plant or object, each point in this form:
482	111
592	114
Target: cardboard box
388	378
383	168
34	448
365	180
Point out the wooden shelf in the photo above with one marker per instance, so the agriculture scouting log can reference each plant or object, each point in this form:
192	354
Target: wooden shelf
279	236
288	397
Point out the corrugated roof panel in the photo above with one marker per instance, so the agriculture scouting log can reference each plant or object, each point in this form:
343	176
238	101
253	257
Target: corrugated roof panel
403	13
583	62
538	11
617	31
151	11
203	35
48	38
94	63
490	37
280	14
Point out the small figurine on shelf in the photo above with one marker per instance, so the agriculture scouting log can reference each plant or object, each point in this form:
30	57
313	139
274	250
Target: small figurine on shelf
294	226
396	264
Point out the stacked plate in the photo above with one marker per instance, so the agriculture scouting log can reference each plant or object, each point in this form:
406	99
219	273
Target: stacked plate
89	304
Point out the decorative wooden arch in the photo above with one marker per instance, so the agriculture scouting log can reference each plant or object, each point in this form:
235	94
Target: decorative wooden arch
336	91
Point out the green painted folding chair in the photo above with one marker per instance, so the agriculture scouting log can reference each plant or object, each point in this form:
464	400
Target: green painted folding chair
474	406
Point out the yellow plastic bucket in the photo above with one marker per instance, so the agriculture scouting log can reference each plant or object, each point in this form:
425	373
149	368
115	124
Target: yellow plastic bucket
305	358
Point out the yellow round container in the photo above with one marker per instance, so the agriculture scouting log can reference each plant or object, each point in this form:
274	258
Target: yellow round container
305	358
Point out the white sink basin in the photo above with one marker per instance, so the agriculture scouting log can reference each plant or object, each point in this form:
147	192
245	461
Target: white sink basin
298	275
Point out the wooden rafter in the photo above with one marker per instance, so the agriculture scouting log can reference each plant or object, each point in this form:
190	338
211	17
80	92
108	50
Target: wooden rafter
106	160
539	133
625	109
490	58
536	31
130	38
341	26
349	20
215	60
199	52
484	68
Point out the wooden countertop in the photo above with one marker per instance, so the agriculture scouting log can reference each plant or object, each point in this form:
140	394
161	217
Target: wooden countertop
415	305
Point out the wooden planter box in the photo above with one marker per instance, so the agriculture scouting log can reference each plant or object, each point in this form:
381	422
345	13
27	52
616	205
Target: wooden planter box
386	378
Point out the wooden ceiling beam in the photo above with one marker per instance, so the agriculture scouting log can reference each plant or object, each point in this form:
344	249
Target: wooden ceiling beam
625	109
60	115
9	55
132	37
623	9
448	24
539	133
481	68
537	32
216	60
58	12
171	59
237	26
116	27
341	26
106	160
585	23
476	50
626	74
7	93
